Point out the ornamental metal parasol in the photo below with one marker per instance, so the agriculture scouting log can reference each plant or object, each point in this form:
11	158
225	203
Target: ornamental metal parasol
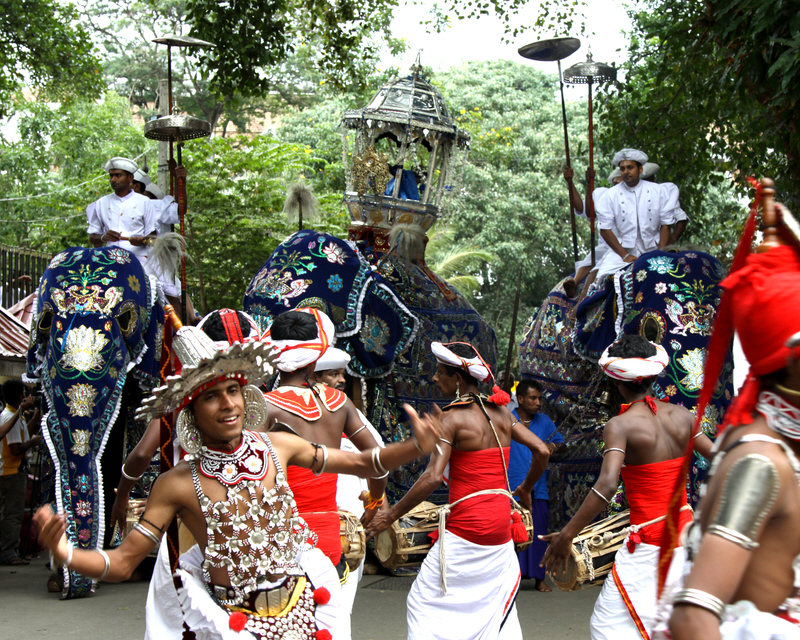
556	49
178	128
590	72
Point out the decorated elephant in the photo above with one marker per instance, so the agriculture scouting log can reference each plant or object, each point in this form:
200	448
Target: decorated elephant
386	314
95	348
669	298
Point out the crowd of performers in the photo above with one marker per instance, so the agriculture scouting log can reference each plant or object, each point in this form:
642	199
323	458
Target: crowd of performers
257	484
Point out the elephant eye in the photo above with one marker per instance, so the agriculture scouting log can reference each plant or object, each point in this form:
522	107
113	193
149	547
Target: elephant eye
45	322
127	318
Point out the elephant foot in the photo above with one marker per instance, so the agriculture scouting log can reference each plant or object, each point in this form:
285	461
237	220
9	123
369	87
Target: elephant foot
570	287
55	583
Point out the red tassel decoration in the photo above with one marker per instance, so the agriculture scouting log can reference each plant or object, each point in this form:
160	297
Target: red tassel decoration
499	396
323	634
519	533
322	596
236	621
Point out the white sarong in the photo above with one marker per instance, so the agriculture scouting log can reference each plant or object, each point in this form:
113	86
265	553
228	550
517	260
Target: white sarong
482	584
741	621
619	616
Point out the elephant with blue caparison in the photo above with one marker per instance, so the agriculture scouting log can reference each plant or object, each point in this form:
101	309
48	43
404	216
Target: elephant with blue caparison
669	298
95	347
386	309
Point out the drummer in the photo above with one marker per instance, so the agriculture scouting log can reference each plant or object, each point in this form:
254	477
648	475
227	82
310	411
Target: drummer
330	370
473	585
124	218
317	413
645	442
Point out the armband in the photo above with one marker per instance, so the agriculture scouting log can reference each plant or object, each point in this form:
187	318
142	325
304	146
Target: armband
748	494
701	599
152	537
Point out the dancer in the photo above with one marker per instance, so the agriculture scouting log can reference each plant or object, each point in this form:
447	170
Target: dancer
743	542
257	569
470	577
645	442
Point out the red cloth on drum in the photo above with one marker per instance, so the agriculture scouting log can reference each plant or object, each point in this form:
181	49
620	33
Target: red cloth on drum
648	488
484	519
316	501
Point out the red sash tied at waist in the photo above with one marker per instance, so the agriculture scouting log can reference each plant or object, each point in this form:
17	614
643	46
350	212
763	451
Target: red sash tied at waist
648	488
316	501
483	519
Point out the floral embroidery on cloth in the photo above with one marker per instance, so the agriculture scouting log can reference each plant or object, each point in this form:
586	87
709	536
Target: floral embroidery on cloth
302	401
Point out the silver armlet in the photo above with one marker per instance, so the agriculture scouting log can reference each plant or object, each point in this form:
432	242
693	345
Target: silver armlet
324	461
602	497
107	568
700	599
376	464
127	477
605	451
152	537
356	432
748	494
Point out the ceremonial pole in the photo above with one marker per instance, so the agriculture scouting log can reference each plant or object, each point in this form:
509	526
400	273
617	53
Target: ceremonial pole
589	73
546	51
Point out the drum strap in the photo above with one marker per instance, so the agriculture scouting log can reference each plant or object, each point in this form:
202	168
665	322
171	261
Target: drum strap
444	510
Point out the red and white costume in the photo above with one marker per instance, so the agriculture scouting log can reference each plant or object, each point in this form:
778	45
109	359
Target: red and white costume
480	565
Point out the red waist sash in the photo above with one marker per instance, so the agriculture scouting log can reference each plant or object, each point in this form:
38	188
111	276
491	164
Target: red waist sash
648	488
484	519
316	501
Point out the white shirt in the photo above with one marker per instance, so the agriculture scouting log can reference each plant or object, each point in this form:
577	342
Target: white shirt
596	195
674	192
168	214
636	215
15	436
131	215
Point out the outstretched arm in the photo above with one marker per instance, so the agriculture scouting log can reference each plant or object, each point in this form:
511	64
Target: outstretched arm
559	548
426	484
363	440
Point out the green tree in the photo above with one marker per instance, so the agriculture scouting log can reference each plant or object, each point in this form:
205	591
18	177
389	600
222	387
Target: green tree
458	263
43	48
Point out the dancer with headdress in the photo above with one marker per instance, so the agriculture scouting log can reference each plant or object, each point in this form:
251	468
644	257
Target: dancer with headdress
743	546
259	574
317	413
471	575
645	443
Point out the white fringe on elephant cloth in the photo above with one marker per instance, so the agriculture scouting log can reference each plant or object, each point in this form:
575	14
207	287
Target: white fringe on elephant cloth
741	621
482	585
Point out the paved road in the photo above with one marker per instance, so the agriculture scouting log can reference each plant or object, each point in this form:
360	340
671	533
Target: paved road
116	612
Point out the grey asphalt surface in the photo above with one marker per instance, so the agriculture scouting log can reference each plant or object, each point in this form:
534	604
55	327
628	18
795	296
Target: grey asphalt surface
116	612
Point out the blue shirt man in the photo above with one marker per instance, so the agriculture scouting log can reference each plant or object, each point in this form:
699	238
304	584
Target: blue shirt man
529	396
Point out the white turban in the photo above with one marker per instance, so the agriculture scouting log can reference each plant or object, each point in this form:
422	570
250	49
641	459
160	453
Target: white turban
634	369
153	188
123	164
233	329
333	358
476	367
649	169
629	154
141	176
614	174
296	354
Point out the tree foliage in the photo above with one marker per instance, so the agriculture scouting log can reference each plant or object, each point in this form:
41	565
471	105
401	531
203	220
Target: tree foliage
42	47
711	91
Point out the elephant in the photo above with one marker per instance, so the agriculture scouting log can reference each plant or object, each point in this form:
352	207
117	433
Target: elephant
669	298
97	319
387	310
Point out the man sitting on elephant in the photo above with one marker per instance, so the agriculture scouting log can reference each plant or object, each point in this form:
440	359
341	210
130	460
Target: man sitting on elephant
645	442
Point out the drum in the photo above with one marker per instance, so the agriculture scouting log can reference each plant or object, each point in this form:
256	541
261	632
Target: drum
527	520
354	543
593	551
407	541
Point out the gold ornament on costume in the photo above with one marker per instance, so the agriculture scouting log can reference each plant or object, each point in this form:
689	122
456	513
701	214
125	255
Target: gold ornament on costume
371	164
81	439
81	400
83	349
